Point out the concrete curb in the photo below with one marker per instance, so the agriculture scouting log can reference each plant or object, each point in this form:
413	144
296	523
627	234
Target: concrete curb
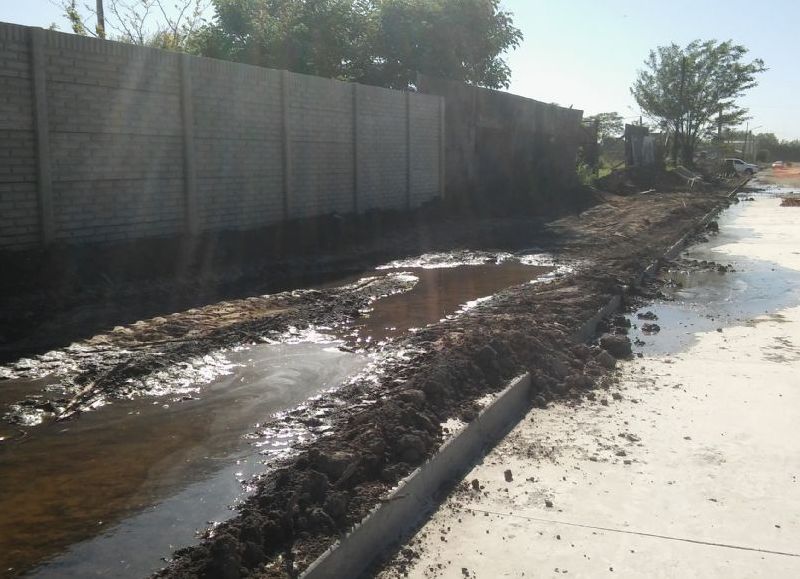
387	524
413	498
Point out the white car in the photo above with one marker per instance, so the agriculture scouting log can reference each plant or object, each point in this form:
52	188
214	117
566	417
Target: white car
741	167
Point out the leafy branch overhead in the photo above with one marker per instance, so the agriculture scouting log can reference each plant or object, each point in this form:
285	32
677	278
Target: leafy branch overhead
382	42
693	90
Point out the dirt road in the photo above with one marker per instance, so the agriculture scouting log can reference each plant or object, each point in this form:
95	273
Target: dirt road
788	177
686	467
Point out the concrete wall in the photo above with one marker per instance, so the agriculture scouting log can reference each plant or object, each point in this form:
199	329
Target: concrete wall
102	141
503	146
19	212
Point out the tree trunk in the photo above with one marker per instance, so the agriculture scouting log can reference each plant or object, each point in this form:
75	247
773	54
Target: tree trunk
675	146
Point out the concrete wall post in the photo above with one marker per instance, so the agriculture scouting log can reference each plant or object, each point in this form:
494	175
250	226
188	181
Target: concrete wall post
189	175
356	181
286	148
442	149
408	150
44	169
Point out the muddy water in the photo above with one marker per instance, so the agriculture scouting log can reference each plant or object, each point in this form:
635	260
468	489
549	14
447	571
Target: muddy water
440	292
117	489
69	481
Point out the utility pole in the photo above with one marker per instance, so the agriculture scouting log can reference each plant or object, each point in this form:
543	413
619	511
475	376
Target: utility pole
746	137
676	144
101	20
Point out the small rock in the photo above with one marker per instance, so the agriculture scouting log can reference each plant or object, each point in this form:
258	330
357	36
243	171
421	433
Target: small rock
476	484
616	396
648	315
508	476
606	360
617	346
548	503
650	329
604	401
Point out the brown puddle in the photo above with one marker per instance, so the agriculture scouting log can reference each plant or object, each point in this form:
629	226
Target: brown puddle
440	292
117	489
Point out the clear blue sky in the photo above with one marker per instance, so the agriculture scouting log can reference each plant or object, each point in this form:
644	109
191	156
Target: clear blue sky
585	53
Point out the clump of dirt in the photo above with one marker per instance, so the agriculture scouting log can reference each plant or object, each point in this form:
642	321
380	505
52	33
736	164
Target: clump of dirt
790	202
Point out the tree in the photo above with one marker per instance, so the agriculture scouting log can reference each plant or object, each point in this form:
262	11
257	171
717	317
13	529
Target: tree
145	22
609	125
321	37
383	42
692	91
456	39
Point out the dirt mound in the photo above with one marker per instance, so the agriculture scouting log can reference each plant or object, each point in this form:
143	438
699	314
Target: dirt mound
634	180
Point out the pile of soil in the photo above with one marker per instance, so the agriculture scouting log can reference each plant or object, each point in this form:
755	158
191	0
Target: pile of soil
632	180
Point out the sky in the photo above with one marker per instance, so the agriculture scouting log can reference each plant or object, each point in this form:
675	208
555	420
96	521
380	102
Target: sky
585	53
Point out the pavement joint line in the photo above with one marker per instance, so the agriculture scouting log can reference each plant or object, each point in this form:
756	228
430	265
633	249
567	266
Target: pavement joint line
639	533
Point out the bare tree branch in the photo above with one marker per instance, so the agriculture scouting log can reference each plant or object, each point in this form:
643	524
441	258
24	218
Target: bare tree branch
143	22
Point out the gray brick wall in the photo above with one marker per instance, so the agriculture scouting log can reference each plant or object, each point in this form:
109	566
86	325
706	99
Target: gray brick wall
115	139
426	148
321	145
237	144
382	148
19	213
140	143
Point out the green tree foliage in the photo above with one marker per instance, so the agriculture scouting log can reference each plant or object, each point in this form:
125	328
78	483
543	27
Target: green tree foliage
322	37
383	42
688	91
609	125
775	149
